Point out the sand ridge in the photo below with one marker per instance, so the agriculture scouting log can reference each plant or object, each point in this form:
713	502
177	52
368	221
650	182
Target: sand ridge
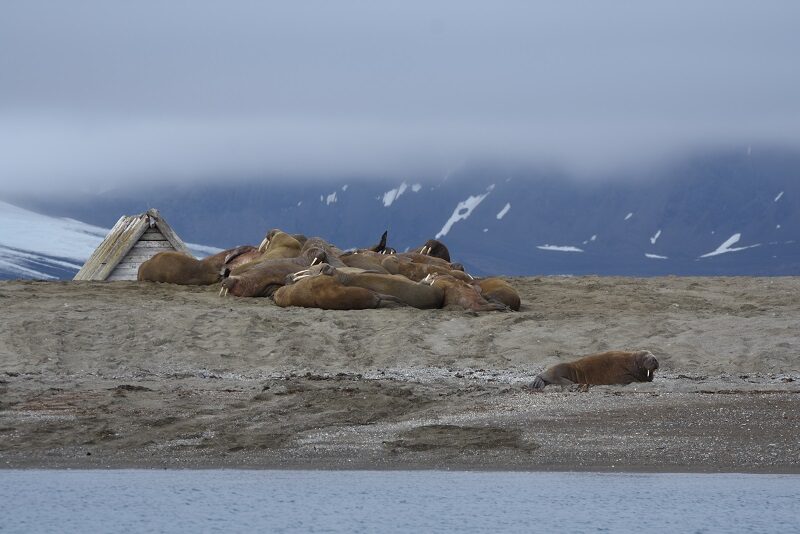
143	374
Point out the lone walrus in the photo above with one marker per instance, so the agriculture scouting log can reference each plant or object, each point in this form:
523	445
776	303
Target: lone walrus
614	367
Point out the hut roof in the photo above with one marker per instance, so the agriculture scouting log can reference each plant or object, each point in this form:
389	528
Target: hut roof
121	239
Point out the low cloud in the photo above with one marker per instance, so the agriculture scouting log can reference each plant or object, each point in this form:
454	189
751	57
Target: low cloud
189	91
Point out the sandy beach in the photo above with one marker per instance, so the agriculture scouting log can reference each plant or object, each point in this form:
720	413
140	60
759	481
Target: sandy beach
126	374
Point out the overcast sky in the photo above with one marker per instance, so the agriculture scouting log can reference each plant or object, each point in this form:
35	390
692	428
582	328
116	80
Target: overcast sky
104	92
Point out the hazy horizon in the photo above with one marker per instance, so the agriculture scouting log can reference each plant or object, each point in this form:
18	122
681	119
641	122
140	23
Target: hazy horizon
96	94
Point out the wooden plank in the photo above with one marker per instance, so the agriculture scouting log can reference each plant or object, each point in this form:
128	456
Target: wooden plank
126	269
116	245
115	277
152	236
163	245
166	229
139	256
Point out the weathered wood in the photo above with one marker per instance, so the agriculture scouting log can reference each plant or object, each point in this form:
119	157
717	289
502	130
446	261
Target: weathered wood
139	257
117	243
163	245
166	229
131	241
116	277
152	236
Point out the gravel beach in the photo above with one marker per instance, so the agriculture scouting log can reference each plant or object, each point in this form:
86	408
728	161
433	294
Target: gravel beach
126	374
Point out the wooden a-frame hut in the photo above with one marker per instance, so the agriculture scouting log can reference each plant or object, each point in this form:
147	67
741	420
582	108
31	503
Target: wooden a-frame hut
133	240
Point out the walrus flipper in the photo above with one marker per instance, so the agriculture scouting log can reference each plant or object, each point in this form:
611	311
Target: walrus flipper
538	382
382	244
389	301
238	251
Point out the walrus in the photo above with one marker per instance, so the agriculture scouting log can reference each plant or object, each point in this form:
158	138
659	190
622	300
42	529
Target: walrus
605	368
178	268
278	244
460	294
498	290
381	244
265	277
436	249
416	257
332	253
329	294
396	264
369	261
421	296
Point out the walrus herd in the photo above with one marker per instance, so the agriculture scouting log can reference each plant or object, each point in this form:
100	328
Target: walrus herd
294	270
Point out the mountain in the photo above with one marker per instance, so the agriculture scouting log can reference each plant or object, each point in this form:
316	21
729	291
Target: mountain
720	213
42	247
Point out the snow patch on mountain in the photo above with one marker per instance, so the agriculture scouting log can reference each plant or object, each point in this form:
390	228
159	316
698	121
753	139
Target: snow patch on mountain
726	246
416	187
504	211
330	199
463	210
655	237
655	256
393	194
628	216
559	248
779	196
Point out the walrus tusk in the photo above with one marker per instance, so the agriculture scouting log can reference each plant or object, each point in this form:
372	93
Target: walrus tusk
223	291
648	373
470	276
263	246
425	250
314	261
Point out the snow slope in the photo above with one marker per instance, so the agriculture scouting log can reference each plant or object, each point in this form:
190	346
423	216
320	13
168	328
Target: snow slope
39	246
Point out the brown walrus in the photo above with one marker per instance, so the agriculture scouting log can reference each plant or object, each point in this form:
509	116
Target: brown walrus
178	268
367	260
614	367
396	264
414	294
263	278
498	290
460	294
329	294
278	244
332	253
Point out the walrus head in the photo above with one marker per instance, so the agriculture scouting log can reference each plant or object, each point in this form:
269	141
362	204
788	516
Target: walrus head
646	364
315	256
315	270
435	248
265	243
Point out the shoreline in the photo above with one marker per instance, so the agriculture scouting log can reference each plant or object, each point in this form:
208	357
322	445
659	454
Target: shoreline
153	376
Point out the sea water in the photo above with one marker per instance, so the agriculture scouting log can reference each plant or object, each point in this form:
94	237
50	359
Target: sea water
394	501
